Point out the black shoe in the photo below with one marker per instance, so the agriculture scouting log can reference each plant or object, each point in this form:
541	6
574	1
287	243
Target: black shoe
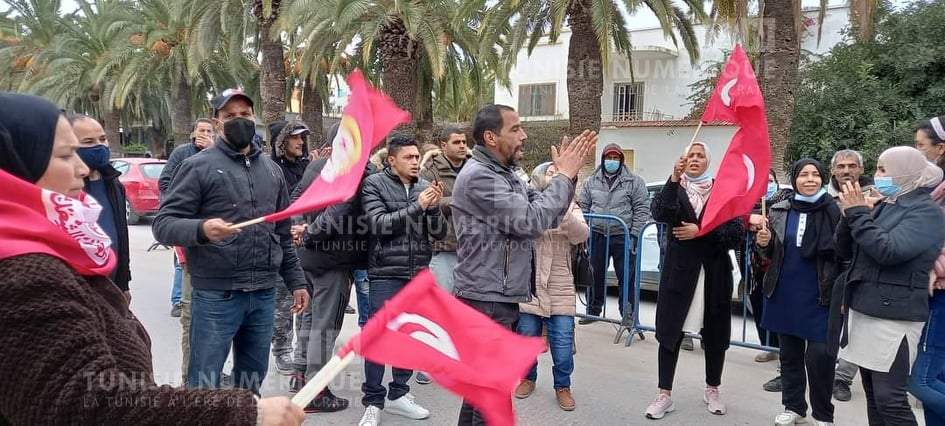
586	321
686	344
423	379
773	385
841	391
175	310
326	402
284	364
226	380
296	382
349	310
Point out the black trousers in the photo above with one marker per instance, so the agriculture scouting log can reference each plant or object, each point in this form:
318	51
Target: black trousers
506	314
886	401
806	363
714	361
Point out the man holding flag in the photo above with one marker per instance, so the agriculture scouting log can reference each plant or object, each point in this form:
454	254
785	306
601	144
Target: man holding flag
498	218
234	271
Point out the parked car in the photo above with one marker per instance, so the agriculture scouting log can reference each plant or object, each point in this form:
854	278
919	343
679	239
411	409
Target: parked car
650	251
140	178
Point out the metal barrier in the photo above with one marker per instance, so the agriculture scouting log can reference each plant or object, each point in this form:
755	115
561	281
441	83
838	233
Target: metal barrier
625	283
631	319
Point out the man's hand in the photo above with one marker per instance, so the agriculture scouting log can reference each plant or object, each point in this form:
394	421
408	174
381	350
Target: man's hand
297	232
852	196
679	168
572	155
218	229
279	411
763	238
430	196
301	300
686	231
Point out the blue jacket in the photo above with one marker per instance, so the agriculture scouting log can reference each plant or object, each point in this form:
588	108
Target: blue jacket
222	183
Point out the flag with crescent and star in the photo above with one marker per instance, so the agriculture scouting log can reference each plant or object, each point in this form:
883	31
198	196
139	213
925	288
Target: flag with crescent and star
743	174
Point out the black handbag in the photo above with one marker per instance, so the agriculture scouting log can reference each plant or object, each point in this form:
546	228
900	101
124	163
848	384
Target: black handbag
581	266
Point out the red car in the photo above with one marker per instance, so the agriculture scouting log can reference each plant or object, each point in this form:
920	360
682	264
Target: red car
140	178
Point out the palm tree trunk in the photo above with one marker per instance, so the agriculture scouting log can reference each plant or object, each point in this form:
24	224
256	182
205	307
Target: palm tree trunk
780	57
585	72
312	113
111	121
425	110
399	54
182	116
272	78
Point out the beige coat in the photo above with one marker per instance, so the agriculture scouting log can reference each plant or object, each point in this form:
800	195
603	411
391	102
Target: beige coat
554	282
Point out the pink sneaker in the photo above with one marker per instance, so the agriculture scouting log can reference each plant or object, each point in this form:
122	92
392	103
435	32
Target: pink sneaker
659	407
713	401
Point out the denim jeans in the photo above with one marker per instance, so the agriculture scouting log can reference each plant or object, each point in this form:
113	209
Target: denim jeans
927	381
442	265
176	288
373	388
560	342
221	319
362	291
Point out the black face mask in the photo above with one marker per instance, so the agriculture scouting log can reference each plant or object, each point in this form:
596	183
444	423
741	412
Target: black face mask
239	132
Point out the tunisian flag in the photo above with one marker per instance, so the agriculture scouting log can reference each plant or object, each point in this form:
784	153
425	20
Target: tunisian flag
743	175
36	220
369	116
424	328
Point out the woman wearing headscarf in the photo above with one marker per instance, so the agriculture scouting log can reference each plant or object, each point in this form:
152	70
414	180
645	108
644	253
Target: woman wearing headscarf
926	382
799	243
554	301
892	247
696	280
71	351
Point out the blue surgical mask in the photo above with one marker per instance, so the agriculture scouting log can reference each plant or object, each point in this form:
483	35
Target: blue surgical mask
885	185
772	188
611	166
810	198
96	157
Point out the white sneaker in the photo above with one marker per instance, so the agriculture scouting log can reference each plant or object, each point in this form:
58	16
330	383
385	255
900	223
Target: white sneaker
820	423
659	407
406	407
371	417
789	417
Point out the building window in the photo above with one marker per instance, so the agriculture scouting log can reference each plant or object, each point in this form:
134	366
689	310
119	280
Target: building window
536	99
628	101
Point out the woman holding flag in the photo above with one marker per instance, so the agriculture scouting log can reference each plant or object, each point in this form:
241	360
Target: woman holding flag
800	247
72	350
696	280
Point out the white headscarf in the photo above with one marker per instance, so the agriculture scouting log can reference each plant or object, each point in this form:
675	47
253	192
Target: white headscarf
698	188
909	170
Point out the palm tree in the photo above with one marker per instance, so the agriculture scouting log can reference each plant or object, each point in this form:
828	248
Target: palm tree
780	35
29	28
272	86
405	43
597	29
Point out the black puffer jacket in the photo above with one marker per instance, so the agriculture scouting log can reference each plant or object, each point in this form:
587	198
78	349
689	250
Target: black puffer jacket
337	237
400	228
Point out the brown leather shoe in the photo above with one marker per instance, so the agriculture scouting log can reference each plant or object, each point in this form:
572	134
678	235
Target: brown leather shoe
524	389
565	400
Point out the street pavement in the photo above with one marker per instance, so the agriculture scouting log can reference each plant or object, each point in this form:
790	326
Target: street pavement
612	384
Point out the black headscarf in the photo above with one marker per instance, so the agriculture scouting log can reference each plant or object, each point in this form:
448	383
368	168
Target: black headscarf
822	215
27	133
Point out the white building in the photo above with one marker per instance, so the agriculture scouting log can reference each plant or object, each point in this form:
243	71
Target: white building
643	114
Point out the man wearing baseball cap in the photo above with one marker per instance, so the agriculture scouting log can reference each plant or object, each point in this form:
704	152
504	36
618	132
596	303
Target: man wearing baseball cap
234	272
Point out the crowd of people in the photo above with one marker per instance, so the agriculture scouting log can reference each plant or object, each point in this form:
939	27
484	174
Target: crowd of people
847	272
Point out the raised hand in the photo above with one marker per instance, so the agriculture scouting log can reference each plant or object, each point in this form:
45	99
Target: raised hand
572	154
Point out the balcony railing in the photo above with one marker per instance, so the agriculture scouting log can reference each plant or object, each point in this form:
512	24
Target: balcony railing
622	117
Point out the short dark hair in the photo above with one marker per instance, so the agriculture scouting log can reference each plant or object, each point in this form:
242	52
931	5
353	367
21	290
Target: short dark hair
488	117
202	120
398	141
75	117
444	134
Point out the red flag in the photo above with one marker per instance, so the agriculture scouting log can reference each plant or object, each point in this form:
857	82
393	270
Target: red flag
369	116
743	175
36	220
424	328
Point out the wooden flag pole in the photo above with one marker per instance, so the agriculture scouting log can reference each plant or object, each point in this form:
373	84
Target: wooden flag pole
696	134
321	380
248	223
764	213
